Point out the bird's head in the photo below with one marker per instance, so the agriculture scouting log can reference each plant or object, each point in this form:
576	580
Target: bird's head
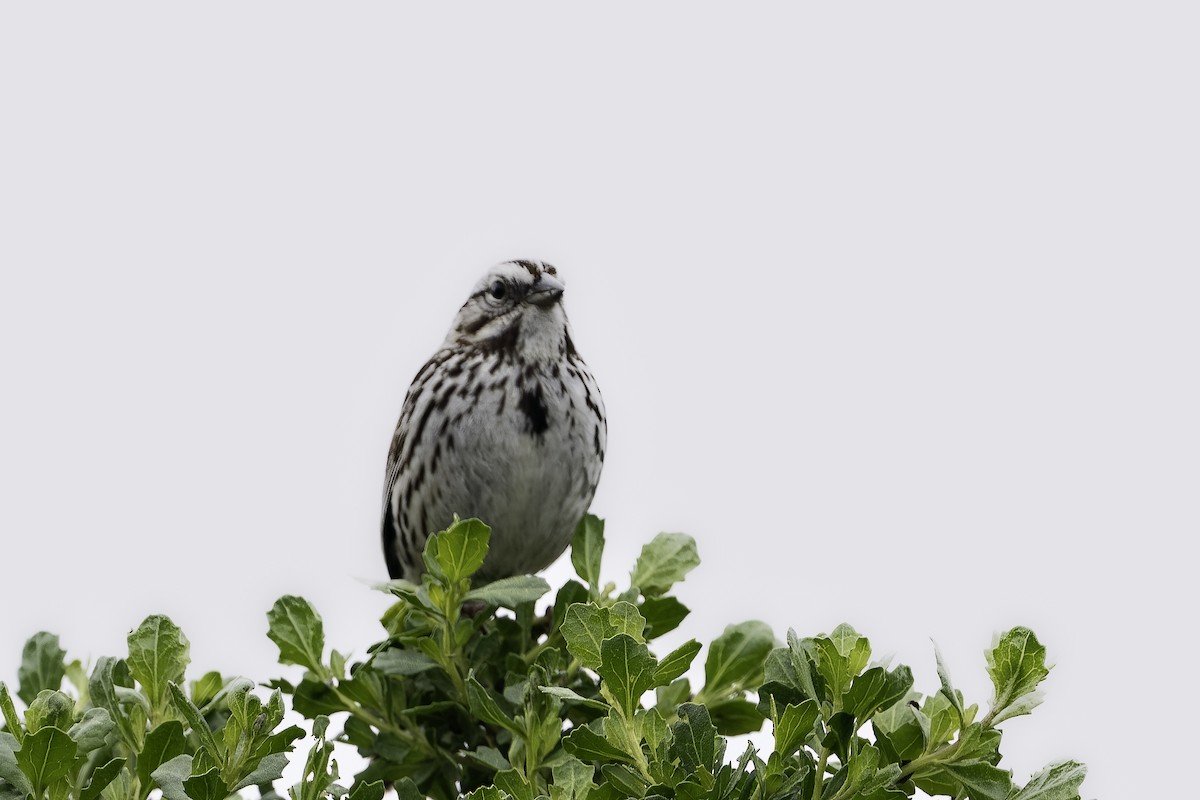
516	306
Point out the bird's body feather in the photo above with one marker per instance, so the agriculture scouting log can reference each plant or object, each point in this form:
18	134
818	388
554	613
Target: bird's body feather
504	423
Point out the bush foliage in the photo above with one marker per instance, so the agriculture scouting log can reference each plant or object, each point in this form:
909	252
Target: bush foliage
473	692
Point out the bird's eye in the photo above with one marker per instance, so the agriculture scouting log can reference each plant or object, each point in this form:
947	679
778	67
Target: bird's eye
499	290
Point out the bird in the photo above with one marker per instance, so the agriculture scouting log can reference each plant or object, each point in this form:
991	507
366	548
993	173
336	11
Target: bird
504	423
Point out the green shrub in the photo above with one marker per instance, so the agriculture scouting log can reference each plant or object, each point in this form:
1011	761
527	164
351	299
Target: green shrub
473	692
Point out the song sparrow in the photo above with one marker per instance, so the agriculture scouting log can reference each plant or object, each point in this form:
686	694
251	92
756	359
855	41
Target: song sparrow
504	423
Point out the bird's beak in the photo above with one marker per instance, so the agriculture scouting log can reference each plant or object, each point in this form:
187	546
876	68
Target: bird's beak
545	291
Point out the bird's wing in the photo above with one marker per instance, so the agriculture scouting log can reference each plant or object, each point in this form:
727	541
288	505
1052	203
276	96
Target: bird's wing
395	462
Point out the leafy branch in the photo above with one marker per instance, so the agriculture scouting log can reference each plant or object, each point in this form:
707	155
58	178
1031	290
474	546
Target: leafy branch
472	691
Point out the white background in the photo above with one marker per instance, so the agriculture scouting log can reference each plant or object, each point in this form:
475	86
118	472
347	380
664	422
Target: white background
893	308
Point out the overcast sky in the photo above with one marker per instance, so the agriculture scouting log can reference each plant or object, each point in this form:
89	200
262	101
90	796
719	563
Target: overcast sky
893	308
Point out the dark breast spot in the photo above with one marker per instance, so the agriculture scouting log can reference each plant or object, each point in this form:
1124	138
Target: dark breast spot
534	408
418	479
433	460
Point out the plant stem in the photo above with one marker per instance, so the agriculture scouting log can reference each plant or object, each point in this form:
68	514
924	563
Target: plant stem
819	775
358	710
944	753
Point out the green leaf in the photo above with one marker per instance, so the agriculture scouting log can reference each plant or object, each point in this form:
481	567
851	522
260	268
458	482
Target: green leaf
735	717
875	690
692	790
489	757
623	617
510	592
942	718
625	780
337	665
10	792
882	791
664	562
840	657
298	631
839	734
627	669
662	615
1059	781
314	697
281	742
802	667
459	551
866	779
10	770
487	793
854	647
411	593
587	626
101	777
668	698
8	712
195	720
586	744
158	654
694	739
77	677
585	629
976	743
269	769
833	667
676	663
402	661
587	545
1025	704
981	780
782	680
898	732
572	779
162	744
42	666
110	676
46	756
407	790
652	727
1017	664
91	731
571	592
363	790
484	706
794	725
514	784
947	685
205	689
50	709
206	786
736	659
571	696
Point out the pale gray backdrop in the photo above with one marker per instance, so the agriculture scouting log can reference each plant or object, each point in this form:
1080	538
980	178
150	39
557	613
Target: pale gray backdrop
894	309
